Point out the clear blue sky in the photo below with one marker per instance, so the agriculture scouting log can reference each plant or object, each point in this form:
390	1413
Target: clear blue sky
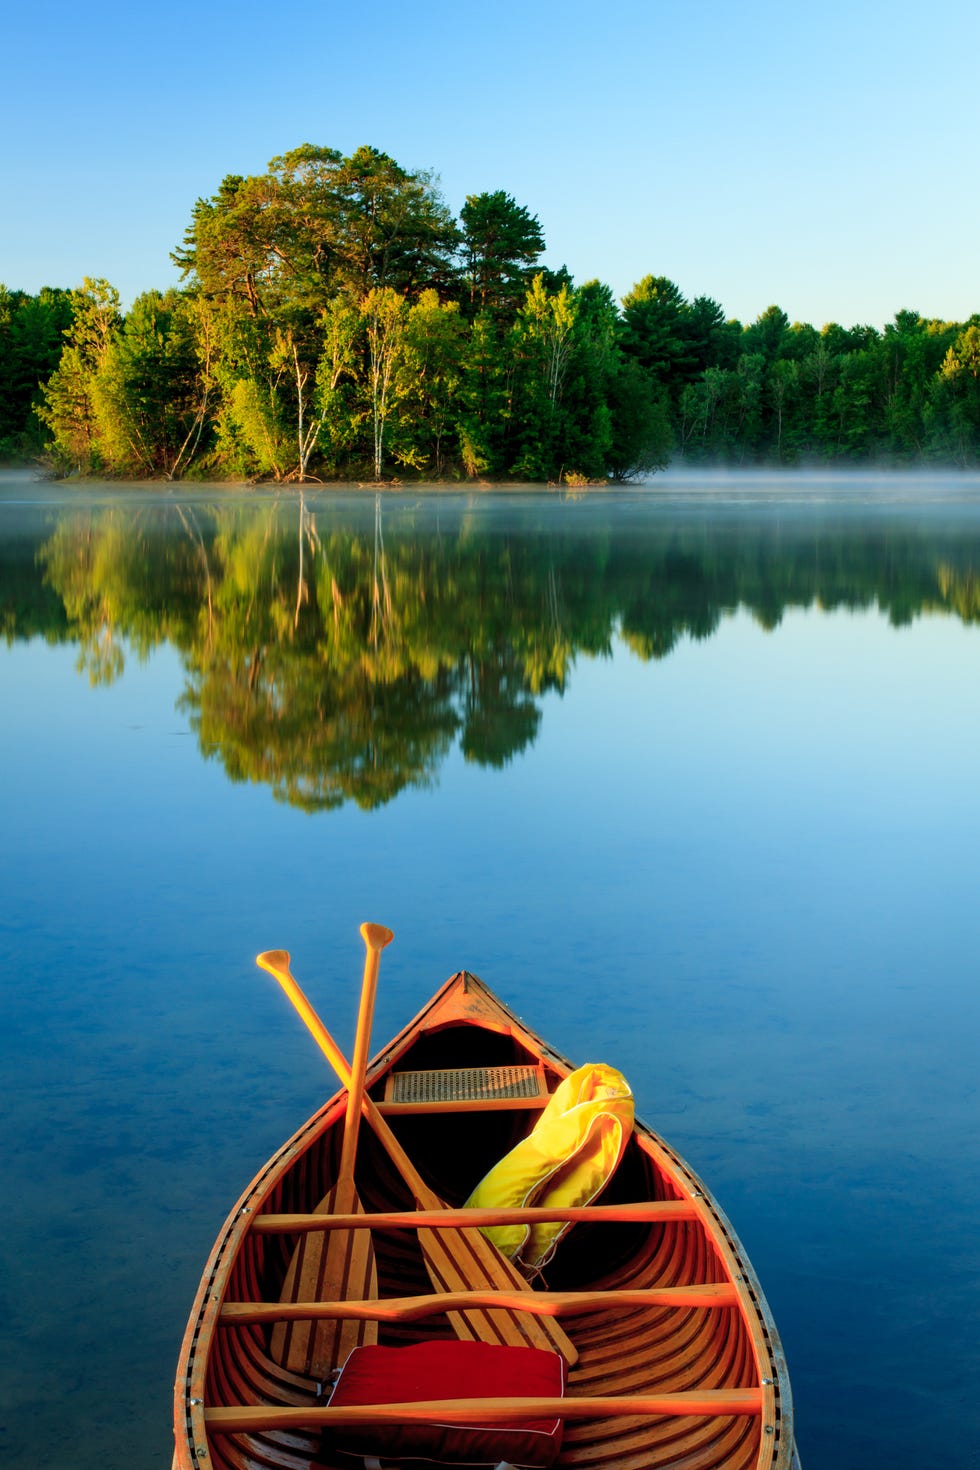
823	157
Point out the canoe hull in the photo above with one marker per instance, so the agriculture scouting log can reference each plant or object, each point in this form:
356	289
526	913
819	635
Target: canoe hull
623	1350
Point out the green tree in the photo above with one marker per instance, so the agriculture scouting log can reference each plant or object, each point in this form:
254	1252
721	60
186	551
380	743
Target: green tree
709	340
640	430
318	223
396	231
230	248
70	406
955	399
430	373
341	328
259	421
911	351
484	412
586	428
783	387
501	243
702	417
32	337
151	391
745	406
653	329
769	335
857	403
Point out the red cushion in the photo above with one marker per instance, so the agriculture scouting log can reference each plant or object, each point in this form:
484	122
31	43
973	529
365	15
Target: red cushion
451	1370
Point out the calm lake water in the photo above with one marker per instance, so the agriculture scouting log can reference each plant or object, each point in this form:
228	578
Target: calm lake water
688	773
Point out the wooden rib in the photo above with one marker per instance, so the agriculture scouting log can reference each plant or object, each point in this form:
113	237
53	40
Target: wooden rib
488	1411
718	1443
538	1303
676	1352
709	1350
642	1212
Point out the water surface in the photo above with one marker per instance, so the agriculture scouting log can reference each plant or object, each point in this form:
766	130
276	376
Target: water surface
687	773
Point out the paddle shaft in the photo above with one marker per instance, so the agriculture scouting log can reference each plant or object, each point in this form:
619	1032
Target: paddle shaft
332	1268
375	938
276	961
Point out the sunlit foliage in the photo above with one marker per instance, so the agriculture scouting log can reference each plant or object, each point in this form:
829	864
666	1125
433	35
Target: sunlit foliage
337	323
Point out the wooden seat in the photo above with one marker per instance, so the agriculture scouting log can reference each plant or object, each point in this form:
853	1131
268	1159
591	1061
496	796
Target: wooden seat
465	1089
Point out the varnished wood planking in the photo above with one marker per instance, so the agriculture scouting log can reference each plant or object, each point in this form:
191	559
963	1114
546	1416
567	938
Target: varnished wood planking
639	1351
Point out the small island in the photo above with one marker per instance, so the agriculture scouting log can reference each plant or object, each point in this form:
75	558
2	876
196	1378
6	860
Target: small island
337	323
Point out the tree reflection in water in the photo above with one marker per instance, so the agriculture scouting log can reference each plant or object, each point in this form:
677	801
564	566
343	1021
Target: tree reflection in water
337	649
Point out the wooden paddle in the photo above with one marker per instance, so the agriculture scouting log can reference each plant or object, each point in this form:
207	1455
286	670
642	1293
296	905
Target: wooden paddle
457	1259
336	1269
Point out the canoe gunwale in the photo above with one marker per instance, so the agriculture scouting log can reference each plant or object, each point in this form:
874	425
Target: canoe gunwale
465	1000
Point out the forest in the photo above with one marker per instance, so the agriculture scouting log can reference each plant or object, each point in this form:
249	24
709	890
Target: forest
335	321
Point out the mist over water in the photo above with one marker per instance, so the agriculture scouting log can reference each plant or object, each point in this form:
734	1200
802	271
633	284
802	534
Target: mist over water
687	773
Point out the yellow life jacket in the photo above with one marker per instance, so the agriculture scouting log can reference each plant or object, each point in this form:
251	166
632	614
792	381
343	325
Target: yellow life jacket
567	1159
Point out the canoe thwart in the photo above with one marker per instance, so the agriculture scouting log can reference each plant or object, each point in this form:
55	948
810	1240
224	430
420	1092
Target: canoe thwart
538	1303
707	1402
642	1212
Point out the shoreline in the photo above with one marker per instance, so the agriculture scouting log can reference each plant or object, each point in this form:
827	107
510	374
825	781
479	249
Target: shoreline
675	474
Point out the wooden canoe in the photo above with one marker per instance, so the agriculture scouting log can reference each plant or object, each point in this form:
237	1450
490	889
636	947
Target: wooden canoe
677	1361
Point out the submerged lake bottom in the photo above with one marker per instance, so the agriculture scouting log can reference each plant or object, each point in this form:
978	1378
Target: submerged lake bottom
686	772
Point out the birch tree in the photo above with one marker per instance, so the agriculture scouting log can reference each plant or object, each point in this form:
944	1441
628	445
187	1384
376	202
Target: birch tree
542	342
341	329
385	315
549	320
